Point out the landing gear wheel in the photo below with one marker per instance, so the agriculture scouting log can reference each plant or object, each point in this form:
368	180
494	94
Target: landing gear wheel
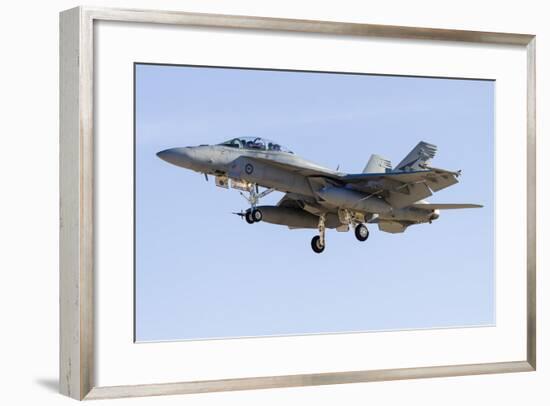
248	217
316	244
361	232
256	215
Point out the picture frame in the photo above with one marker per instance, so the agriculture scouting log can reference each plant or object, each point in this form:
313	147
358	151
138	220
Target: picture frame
78	183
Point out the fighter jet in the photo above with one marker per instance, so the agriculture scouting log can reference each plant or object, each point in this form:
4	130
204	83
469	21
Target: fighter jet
317	197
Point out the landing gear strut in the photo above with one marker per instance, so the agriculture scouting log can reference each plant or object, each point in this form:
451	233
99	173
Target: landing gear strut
348	218
318	242
254	215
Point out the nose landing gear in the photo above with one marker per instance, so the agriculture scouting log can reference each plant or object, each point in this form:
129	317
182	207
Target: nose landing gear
253	216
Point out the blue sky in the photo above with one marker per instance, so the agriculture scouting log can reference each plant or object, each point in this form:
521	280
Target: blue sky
202	272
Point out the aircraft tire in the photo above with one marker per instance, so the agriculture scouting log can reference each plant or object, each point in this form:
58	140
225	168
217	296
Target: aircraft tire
248	217
257	215
316	246
361	232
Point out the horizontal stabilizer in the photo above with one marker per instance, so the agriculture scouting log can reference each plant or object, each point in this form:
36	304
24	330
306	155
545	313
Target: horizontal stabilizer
445	206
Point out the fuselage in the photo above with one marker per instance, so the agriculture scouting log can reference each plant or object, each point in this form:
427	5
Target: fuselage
220	160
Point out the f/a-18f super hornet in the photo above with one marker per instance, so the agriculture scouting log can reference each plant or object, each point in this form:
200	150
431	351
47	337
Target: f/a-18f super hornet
317	197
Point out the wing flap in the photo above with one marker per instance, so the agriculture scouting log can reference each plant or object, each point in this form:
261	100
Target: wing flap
407	194
441	179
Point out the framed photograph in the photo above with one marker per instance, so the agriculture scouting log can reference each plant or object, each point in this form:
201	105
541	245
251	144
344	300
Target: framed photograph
252	202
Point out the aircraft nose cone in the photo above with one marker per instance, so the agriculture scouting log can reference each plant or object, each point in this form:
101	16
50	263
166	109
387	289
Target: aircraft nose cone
177	156
164	155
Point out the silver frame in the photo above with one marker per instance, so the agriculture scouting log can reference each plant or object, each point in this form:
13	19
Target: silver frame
76	376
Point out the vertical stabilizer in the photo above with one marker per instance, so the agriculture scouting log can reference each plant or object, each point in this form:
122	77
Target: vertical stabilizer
377	164
418	158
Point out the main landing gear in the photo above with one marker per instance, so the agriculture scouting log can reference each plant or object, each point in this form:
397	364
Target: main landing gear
318	242
361	232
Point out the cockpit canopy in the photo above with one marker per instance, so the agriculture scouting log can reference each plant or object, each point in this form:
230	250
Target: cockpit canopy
255	143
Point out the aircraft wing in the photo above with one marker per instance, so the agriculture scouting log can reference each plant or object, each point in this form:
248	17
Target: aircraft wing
436	179
402	189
